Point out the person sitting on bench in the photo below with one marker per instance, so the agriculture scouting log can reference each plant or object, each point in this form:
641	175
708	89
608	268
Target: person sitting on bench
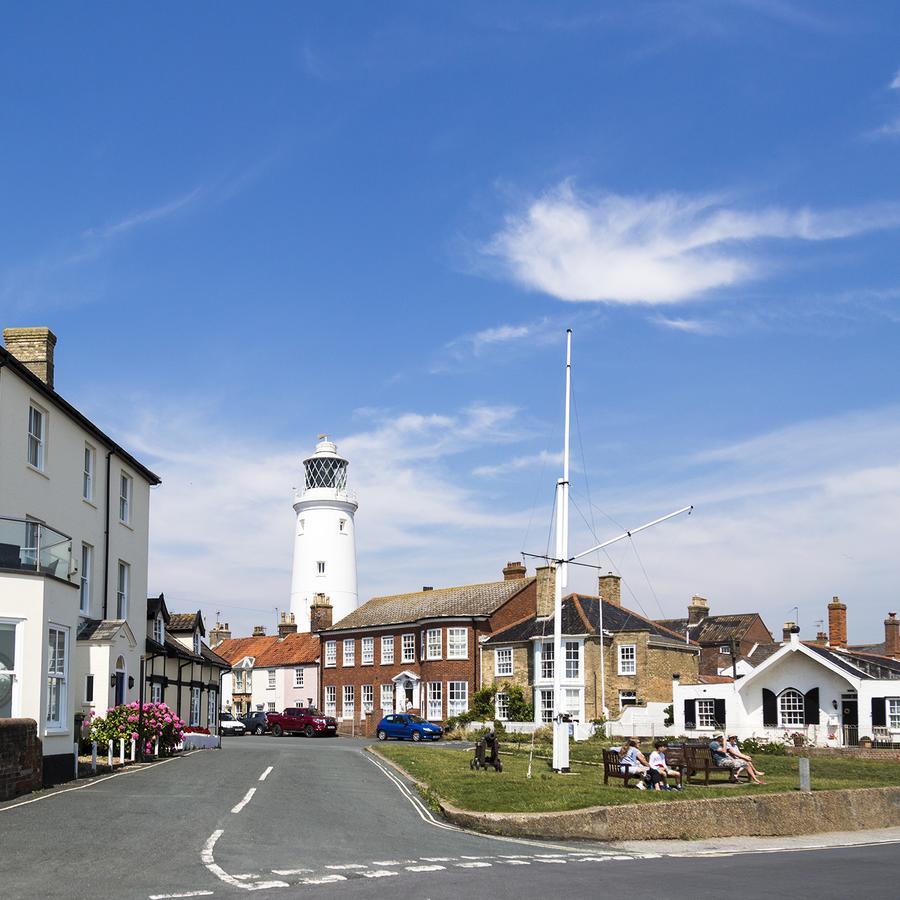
660	765
735	752
721	758
633	762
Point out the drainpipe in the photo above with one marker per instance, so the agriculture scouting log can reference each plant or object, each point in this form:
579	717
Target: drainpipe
106	540
180	679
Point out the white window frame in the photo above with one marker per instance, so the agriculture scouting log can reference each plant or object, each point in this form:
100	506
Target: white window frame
330	700
368	698
298	676
892	713
57	677
87	570
349	701
123	587
435	701
15	672
408	648
320	568
544	707
625	696
792	714
706	713
367	651
155	692
87	479
458	643
195	708
387	650
572	702
434	640
159	629
724	648
349	651
35	454
546	651
387	698
270	706
212	708
573	660
330	654
270	675
126	496
457	698
503	661
197	643
627	657
501	706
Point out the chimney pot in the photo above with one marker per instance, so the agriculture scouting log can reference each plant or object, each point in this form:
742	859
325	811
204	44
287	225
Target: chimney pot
427	587
34	348
786	630
610	587
259	631
513	571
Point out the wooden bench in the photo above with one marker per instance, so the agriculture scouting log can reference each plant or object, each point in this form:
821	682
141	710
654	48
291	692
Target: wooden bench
613	766
698	760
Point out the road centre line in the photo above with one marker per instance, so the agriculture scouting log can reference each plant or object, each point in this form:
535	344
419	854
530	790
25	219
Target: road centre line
265	774
247	798
183	894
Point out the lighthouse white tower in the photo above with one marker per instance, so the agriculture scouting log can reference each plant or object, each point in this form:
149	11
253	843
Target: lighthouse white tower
325	537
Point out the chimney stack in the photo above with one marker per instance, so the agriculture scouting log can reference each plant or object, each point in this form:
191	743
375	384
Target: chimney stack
837	623
892	636
786	631
34	348
320	613
513	571
698	610
287	625
546	590
259	631
610	587
219	633
821	638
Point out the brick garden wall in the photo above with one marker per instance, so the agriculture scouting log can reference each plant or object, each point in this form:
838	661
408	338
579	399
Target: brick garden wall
21	757
845	752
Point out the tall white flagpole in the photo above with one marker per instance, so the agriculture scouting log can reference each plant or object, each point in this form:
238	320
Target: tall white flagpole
561	727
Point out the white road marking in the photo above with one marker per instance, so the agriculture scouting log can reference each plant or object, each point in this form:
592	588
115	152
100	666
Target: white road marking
544	859
425	868
291	871
463	856
247	875
347	866
378	873
621	857
593	858
184	894
436	858
390	862
547	855
247	798
208	860
265	774
514	862
473	865
325	879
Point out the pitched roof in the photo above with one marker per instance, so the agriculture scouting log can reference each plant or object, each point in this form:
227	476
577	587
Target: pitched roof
714	629
759	653
99	629
838	659
715	679
581	615
186	622
451	602
155	605
293	649
174	648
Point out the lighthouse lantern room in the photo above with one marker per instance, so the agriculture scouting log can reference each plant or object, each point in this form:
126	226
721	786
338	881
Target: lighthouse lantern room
324	537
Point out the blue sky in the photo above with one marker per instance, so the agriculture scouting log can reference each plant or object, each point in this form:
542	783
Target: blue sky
247	227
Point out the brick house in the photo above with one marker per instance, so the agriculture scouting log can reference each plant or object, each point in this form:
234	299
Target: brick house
639	657
751	639
417	652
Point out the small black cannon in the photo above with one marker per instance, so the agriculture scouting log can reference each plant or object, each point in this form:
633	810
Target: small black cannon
487	753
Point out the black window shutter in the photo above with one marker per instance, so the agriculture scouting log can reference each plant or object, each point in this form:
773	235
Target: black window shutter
770	707
879	712
690	714
720	713
811	707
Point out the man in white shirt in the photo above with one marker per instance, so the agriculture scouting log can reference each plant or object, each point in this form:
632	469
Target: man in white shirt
658	763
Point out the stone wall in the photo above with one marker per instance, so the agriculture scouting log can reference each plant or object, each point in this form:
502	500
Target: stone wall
845	752
21	758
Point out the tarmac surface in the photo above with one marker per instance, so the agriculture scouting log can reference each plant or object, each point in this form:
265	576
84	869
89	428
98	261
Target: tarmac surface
320	817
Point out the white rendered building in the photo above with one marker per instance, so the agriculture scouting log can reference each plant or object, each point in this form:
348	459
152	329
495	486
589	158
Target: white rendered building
325	537
74	526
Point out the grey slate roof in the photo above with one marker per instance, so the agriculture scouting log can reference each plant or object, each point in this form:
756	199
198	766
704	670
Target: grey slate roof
185	622
99	629
463	601
714	629
581	615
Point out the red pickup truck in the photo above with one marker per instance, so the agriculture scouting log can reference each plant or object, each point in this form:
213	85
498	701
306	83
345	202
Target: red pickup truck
301	720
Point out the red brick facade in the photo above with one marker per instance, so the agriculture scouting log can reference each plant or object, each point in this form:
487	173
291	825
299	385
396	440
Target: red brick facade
431	663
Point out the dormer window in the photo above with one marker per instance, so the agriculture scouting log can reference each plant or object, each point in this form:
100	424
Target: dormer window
159	630
197	642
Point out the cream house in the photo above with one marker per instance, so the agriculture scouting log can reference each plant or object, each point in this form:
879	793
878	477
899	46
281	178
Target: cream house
74	522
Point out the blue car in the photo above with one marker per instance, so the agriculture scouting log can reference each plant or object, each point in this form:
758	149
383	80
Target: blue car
405	726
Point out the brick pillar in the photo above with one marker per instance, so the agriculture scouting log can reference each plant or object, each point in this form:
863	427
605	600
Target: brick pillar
320	614
610	587
546	589
892	636
698	610
837	623
34	348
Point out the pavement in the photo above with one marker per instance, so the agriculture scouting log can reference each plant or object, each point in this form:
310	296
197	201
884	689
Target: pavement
320	817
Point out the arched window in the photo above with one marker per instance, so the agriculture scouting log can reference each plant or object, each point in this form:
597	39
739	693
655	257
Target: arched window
790	708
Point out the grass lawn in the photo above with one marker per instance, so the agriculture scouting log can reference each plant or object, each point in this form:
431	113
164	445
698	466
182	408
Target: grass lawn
447	774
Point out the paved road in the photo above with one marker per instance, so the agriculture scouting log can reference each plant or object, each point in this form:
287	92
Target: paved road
297	817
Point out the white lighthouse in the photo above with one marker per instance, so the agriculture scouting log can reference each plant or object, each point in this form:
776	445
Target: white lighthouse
325	538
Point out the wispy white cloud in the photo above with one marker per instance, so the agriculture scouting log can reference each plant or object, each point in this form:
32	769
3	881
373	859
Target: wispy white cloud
895	84
655	250
690	326
518	463
478	344
145	216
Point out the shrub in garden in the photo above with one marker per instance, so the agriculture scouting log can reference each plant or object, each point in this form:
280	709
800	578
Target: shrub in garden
158	723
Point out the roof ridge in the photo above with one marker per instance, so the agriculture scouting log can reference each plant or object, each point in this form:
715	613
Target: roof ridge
457	587
636	615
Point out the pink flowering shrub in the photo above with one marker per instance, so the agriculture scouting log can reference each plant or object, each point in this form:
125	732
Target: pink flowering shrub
158	722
